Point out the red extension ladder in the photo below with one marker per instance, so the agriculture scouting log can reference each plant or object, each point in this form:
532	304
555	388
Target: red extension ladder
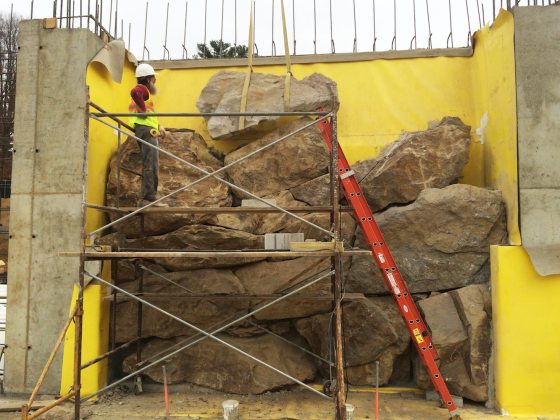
393	279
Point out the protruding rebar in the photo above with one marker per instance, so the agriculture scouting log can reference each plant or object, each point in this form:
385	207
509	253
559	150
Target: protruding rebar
273	44
331	20
185	53
429	25
221	32
314	26
294	23
469	23
413	40
31	15
144	49
374	28
394	41
478	11
165	50
355	45
450	36
205	18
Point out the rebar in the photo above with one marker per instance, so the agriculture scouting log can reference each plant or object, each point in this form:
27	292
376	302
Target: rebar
450	36
394	41
165	50
355	45
184	53
374	28
221	32
145	33
413	40
429	25
294	23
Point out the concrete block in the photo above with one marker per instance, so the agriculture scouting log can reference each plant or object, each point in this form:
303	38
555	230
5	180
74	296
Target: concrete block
281	241
251	202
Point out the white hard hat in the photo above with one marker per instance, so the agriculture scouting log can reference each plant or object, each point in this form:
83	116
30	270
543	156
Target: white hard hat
144	70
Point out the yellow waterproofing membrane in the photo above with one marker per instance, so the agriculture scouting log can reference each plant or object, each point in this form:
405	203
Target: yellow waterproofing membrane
379	99
102	145
526	339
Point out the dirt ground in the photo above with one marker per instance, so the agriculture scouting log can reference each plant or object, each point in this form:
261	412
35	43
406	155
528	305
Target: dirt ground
289	405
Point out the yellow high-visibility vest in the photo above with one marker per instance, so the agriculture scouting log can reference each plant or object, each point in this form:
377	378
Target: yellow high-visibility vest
148	121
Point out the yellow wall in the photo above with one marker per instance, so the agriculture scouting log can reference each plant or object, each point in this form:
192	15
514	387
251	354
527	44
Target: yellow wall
102	145
379	99
526	340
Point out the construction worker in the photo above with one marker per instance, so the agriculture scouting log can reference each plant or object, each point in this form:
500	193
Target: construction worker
147	128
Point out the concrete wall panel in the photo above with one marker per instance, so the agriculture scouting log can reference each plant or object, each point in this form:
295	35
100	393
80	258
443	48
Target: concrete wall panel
46	214
537	59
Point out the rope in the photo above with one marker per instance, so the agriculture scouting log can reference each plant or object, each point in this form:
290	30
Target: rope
288	81
244	93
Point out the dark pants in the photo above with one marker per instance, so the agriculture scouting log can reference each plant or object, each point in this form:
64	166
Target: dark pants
150	161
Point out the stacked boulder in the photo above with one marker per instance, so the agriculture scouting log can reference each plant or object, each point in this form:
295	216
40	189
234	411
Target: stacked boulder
439	232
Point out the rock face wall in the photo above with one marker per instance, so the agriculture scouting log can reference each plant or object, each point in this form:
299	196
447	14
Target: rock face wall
439	232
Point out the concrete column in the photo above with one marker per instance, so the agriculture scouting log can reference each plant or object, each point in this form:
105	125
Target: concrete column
45	216
537	60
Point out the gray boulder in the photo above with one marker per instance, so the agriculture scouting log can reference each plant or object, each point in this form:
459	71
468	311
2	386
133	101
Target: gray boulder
439	242
223	93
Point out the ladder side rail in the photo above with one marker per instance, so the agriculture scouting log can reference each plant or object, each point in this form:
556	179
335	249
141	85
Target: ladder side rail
414	322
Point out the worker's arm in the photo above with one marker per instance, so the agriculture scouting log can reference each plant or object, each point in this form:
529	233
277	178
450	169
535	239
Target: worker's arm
139	95
162	132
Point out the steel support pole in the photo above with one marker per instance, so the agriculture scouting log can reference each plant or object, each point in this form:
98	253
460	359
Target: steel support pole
78	319
207	335
340	391
211	174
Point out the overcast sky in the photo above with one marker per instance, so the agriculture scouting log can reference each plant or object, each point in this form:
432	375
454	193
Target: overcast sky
236	13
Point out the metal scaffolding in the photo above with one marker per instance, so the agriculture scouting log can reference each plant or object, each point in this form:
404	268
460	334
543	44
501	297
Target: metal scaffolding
299	283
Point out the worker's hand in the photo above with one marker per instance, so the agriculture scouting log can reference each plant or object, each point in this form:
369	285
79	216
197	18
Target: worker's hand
163	133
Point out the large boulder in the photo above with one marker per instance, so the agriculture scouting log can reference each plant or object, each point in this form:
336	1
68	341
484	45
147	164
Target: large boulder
439	242
260	223
460	325
213	365
192	238
266	93
373	330
433	158
317	192
287	164
173	174
204	312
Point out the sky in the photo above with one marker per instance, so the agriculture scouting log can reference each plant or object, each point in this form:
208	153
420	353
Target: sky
309	20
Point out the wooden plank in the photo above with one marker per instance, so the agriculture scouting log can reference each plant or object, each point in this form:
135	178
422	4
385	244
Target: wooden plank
311	246
210	254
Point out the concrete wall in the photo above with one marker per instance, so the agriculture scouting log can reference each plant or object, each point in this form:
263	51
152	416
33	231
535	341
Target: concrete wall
47	188
537	60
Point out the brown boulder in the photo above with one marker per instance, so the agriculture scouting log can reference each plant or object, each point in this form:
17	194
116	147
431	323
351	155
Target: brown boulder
193	238
172	175
211	364
204	312
433	158
373	330
287	164
317	192
439	242
460	326
223	94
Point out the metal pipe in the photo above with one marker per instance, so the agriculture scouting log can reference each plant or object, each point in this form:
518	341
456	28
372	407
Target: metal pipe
337	276
161	276
109	353
139	274
211	114
119	121
212	174
31	16
294	23
206	335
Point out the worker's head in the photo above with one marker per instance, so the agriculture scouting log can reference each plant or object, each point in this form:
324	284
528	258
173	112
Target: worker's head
145	75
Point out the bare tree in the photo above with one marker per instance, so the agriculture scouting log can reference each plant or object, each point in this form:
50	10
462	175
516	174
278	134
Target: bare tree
8	53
